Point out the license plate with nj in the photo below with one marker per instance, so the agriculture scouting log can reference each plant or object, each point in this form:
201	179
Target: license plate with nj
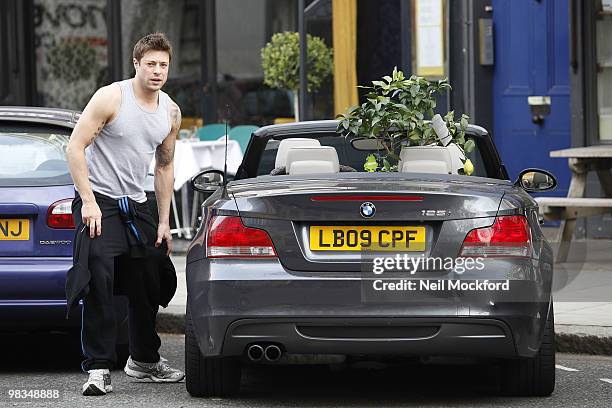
14	229
379	238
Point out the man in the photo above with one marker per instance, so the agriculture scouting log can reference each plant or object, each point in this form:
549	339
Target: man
123	126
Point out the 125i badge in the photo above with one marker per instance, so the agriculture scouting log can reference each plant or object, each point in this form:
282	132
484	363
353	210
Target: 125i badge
435	213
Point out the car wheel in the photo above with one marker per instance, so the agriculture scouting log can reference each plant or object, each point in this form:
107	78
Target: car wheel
533	376
208	376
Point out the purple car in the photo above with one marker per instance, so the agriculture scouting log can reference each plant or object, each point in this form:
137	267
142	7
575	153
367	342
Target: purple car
36	223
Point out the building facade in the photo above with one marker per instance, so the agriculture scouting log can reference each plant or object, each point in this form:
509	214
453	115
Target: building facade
496	53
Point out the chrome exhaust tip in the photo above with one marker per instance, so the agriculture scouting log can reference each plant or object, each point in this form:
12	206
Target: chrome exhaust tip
273	353
255	352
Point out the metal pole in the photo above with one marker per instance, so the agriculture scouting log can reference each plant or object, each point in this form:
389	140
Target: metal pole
303	91
208	53
113	13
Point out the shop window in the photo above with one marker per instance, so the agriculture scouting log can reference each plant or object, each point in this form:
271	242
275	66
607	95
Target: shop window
604	70
179	20
239	72
70	40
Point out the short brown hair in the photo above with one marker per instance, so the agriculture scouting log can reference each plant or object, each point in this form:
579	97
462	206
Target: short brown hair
152	42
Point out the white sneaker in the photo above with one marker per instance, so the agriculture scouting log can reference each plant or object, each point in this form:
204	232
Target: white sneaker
157	372
99	383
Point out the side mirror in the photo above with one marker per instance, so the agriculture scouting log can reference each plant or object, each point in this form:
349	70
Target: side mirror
207	181
536	180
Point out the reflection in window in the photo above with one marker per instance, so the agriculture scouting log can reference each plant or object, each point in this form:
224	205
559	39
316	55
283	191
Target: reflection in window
179	20
70	40
28	155
240	75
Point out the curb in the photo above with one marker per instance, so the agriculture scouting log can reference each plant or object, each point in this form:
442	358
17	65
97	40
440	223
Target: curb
170	323
566	343
579	344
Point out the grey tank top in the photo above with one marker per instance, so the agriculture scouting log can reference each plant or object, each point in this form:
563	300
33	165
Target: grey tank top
118	159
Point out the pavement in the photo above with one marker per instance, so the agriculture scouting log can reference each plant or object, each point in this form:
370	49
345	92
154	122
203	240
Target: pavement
582	297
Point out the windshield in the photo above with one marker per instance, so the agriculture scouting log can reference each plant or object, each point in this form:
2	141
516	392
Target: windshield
33	159
350	159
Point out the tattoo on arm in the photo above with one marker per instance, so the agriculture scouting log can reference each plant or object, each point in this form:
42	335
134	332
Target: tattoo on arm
176	118
97	132
164	154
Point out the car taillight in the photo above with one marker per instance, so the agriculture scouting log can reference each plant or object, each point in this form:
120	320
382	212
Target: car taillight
59	214
509	236
229	238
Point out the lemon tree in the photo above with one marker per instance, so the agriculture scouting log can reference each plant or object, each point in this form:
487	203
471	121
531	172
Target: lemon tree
397	111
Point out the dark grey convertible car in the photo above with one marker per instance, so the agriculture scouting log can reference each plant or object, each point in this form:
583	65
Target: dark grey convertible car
306	257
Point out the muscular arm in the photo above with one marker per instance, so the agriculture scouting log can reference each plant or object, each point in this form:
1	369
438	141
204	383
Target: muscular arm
99	110
164	175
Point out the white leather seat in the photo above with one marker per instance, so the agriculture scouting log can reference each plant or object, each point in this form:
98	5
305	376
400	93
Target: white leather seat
431	159
312	160
426	166
286	144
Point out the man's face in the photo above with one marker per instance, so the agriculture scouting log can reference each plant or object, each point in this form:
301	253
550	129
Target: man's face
152	70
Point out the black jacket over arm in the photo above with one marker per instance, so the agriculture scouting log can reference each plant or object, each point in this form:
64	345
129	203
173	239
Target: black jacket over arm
141	240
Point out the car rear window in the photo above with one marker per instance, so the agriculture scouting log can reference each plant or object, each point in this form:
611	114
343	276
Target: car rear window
347	154
33	159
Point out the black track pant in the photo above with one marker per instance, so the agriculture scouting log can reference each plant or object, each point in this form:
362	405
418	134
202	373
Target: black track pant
110	253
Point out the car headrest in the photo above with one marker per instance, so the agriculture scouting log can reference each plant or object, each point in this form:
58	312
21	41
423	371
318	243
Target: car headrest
311	160
426	166
286	144
431	159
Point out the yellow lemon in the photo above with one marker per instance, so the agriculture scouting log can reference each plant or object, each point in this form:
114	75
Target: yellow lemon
468	167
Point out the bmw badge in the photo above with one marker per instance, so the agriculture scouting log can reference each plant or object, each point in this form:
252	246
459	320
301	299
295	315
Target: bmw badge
367	210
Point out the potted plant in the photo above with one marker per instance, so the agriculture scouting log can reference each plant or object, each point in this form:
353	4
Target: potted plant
398	111
281	63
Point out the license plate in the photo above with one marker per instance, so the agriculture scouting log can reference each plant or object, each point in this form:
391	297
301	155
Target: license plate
383	238
14	229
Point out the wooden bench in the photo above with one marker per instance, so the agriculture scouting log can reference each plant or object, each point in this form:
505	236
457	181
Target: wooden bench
567	210
570	208
581	161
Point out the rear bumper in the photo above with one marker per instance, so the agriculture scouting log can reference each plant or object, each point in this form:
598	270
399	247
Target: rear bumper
32	293
379	336
232	305
37	315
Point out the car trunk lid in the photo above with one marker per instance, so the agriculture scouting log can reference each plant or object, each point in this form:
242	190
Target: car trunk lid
23	222
294	209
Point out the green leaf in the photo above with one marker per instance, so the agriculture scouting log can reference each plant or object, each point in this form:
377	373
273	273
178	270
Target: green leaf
386	165
371	165
469	146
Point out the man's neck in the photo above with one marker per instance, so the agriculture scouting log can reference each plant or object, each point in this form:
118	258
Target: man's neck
146	97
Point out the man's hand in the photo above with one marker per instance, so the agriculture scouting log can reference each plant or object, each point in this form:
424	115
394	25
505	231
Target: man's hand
92	217
163	233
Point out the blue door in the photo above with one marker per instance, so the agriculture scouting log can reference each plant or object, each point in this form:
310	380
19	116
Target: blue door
532	59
